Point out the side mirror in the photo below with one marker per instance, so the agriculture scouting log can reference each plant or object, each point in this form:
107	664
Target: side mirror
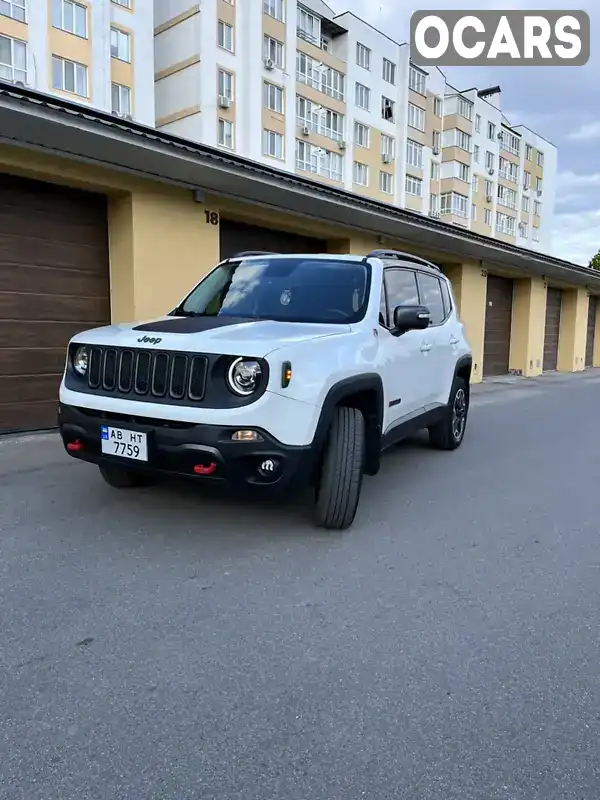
410	318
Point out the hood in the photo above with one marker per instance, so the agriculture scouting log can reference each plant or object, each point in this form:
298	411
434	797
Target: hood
219	335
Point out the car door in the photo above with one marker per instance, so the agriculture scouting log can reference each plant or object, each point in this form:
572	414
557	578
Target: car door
401	359
437	347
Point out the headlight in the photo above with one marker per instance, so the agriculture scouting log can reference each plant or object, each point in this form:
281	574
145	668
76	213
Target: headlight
81	361
243	376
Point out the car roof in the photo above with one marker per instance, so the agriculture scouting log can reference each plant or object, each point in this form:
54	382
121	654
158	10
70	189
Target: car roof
397	259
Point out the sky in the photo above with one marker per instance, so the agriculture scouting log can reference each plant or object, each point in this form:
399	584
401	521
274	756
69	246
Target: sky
561	104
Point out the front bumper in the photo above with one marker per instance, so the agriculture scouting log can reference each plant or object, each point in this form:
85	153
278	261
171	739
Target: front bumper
190	450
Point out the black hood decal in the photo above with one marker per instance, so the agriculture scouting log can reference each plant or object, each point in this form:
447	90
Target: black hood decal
191	324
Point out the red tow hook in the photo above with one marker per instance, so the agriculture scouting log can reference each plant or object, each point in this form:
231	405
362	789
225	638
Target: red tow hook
202	469
75	447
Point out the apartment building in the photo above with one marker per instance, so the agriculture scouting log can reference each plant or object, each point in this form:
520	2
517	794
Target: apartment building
95	52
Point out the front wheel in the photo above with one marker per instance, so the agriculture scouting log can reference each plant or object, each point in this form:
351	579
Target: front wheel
448	433
123	478
340	480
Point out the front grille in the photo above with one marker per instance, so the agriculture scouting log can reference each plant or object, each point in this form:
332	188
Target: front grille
144	373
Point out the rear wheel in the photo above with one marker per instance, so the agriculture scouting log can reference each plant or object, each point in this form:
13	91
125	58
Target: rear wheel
340	480
123	478
449	432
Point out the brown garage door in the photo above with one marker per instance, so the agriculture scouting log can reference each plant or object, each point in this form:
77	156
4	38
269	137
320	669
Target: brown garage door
591	332
498	316
553	306
238	236
54	283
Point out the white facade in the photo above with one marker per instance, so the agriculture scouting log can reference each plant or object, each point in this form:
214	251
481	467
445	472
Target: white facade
80	35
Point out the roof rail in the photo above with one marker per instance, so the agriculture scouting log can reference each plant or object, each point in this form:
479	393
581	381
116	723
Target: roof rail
246	253
401	256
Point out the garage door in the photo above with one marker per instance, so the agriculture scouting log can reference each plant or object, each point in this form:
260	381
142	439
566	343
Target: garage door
591	332
553	306
498	317
238	236
54	282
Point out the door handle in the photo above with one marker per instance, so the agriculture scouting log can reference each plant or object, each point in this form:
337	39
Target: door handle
425	348
453	340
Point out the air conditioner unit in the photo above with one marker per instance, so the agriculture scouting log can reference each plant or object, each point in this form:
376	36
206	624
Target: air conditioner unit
305	130
488	198
386	158
269	63
342	144
224	101
436	151
491	171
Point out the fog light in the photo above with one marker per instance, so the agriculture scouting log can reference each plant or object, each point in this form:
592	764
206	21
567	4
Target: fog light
246	436
269	468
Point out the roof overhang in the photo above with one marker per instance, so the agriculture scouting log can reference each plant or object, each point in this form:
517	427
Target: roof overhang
35	120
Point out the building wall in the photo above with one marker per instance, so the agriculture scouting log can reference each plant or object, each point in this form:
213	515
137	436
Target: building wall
92	51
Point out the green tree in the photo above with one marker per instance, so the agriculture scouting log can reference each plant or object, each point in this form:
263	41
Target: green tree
595	261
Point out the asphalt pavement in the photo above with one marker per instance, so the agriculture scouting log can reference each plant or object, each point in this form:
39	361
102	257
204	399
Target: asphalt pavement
177	644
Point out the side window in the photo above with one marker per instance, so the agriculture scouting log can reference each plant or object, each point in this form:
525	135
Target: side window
446	297
431	296
401	286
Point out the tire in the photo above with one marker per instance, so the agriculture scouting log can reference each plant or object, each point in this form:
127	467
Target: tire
123	478
449	432
340	481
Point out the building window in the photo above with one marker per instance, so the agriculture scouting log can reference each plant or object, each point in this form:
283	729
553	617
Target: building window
226	133
70	17
465	108
489	159
120	99
274	8
320	77
273	144
507	197
363	56
13	60
476	153
528	152
273	49
363	97
463	140
511	143
226	84
434	204
413	186
15	9
477	123
225	36
438	106
487	217
388	72
319	161
360	174
537	208
525	203
308	26
523	232
69	76
436	141
538	185
388	146
526	180
414	154
122	3
489	189
473	212
319	119
463	172
273	97
535	233
361	134
120	45
505	224
416	117
475	184
454	203
540	158
417	80
491	131
386	182
435	171
388	109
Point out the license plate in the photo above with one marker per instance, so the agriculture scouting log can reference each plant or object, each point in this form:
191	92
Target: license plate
124	443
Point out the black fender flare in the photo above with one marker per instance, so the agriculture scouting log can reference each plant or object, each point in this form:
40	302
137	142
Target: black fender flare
463	362
370	381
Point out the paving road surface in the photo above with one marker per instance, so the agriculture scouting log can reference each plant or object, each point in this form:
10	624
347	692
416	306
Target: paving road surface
172	644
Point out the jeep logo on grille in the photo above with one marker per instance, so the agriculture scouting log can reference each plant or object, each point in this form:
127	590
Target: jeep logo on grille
150	339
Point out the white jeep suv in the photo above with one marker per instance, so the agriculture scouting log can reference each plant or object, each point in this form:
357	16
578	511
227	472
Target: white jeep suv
277	371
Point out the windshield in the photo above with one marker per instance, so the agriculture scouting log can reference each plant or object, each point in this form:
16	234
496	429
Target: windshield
283	289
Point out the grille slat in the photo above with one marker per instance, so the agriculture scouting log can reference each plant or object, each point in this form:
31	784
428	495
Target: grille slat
144	372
